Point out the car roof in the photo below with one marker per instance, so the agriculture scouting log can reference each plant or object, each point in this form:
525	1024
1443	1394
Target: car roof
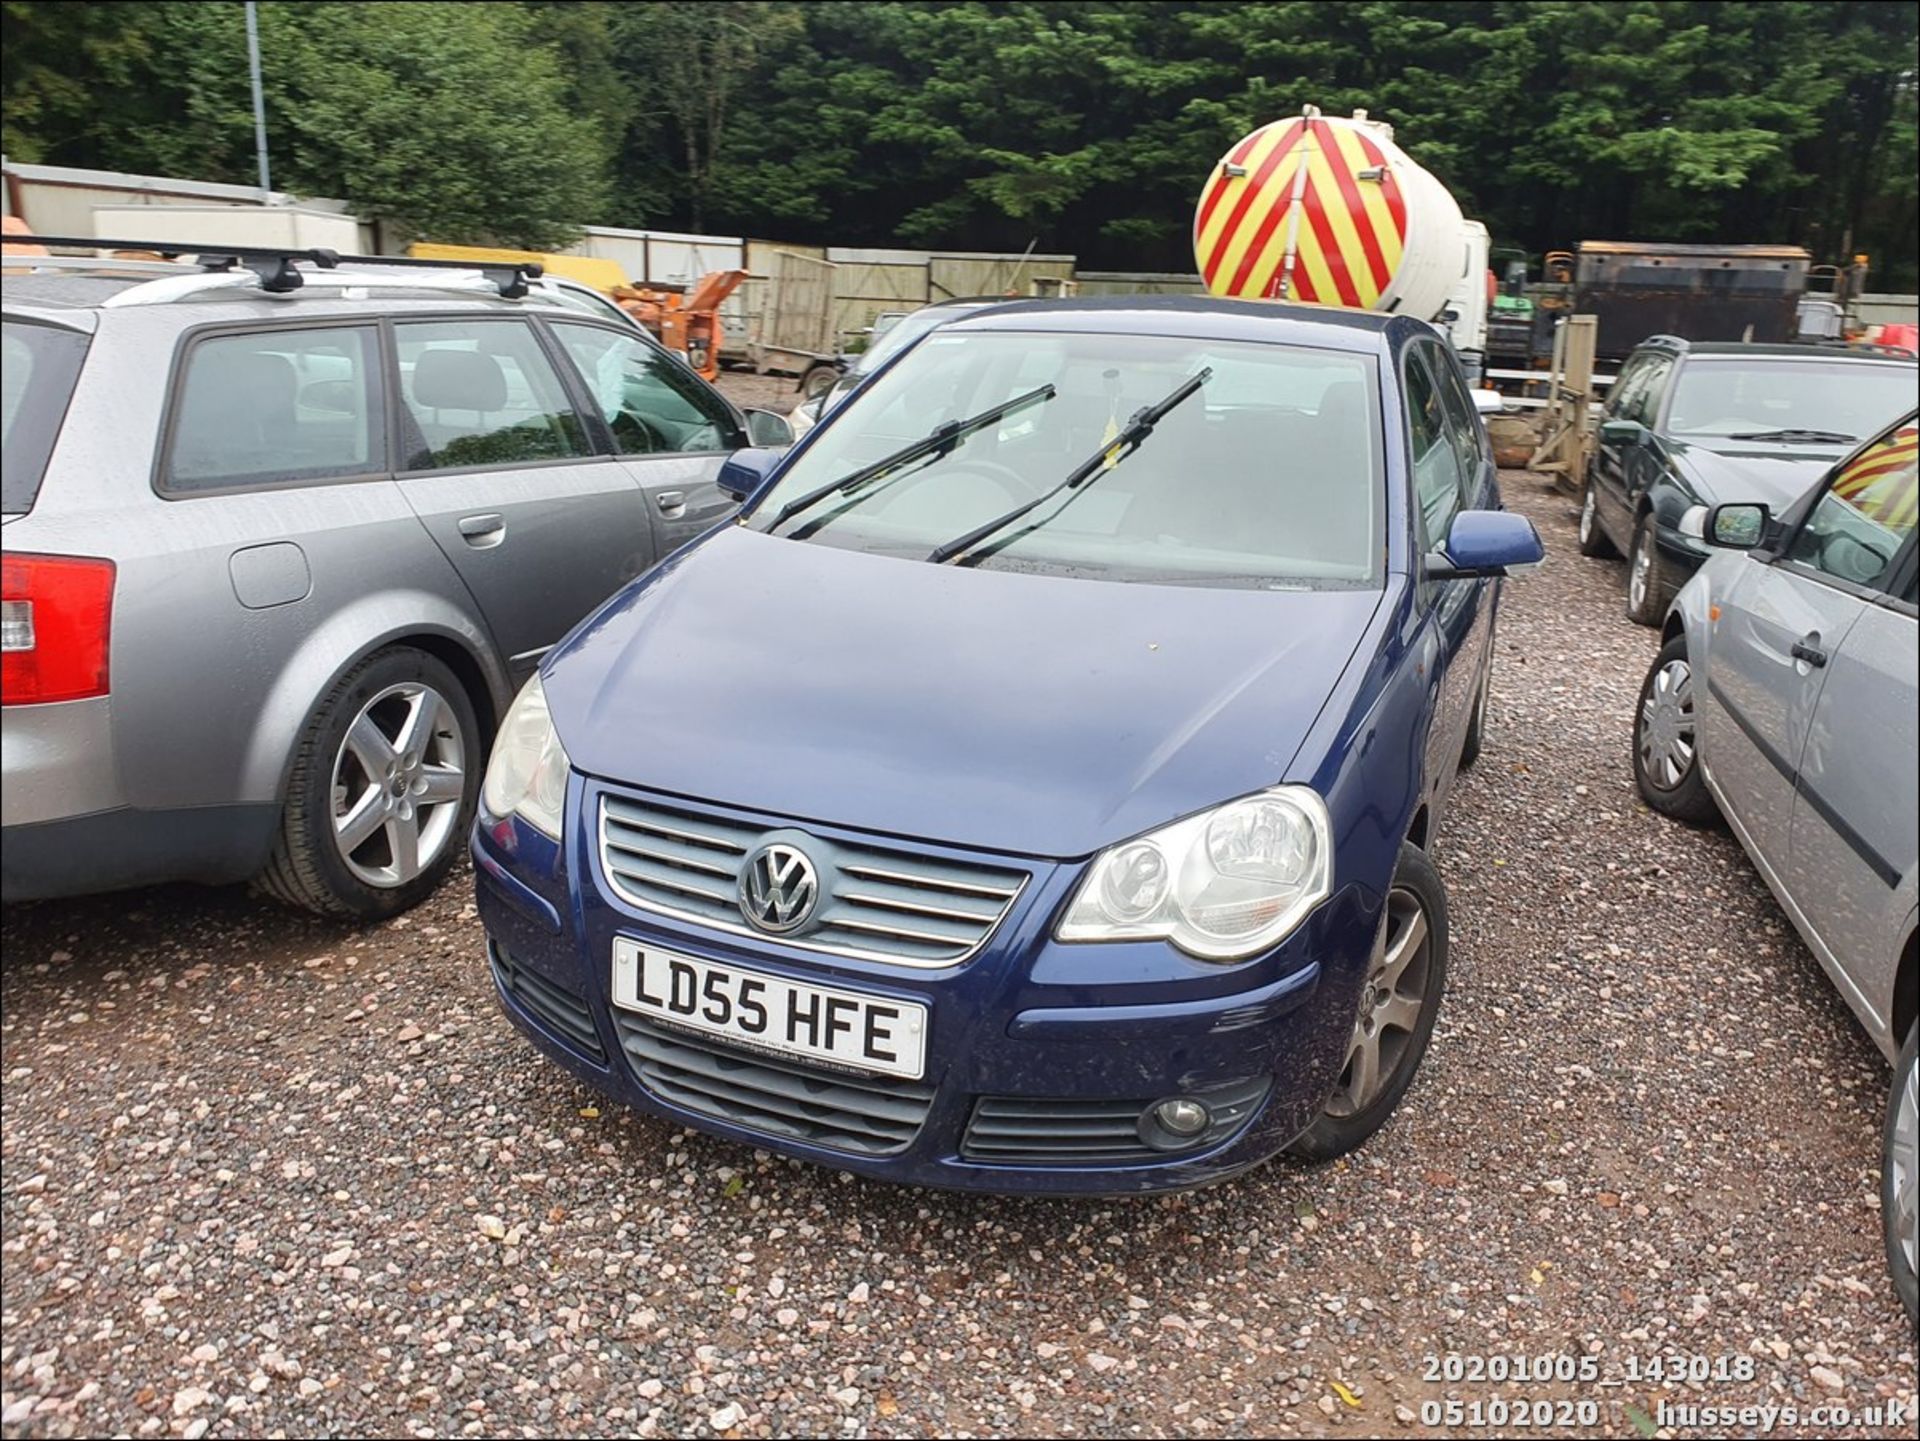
1760	350
1206	317
66	294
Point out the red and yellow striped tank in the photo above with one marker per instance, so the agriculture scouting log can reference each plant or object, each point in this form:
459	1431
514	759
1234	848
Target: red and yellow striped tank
1328	210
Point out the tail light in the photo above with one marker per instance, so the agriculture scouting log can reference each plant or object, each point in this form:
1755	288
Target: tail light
56	616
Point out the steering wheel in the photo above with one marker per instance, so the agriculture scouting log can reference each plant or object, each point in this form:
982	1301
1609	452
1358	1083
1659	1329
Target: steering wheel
637	436
1851	558
1016	485
908	490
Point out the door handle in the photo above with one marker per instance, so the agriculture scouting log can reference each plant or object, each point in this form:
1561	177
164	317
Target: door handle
482	531
1804	649
672	503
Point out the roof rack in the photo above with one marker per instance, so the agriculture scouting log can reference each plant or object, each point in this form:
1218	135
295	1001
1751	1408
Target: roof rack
274	265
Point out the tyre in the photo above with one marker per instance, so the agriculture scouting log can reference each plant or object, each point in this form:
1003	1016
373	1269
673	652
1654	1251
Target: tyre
1477	727
1900	1175
1593	539
818	381
1666	740
1398	1005
382	790
1647	588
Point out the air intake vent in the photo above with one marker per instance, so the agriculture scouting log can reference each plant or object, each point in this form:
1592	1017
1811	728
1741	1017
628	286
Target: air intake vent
1032	1131
560	1009
868	1115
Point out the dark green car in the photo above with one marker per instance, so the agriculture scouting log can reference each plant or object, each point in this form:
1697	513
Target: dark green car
1690	424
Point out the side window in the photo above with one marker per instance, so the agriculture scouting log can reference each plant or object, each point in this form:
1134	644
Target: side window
1649	387
482	392
1626	387
1462	423
37	380
653	404
277	407
1855	531
1437	479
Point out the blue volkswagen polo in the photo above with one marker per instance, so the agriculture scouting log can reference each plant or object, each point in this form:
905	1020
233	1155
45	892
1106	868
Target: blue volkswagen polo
1029	791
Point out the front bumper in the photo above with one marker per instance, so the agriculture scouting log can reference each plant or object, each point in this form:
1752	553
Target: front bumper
1681	553
1033	1047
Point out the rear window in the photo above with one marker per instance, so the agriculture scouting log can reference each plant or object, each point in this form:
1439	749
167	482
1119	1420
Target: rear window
41	363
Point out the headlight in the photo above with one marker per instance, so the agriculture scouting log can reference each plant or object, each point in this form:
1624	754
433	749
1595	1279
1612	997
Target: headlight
1221	885
527	775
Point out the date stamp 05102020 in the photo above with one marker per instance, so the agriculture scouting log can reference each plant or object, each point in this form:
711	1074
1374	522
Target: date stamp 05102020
1578	1370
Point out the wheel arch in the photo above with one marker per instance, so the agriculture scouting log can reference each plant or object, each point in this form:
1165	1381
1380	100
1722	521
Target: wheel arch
1417	829
1906	987
418	619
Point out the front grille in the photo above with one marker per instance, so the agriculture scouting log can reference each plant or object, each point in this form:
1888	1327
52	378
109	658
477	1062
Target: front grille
556	1007
876	903
1038	1132
868	1115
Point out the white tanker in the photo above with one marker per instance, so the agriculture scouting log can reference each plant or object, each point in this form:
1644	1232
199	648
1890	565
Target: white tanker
1331	211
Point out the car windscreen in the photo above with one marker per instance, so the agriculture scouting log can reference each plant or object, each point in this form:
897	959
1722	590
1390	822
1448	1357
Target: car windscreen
1267	475
40	364
1849	398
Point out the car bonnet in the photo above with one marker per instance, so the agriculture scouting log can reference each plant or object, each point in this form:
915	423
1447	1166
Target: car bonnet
1031	714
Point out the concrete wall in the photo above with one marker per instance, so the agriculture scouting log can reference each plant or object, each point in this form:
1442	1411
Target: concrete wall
62	199
295	226
671	257
1881	308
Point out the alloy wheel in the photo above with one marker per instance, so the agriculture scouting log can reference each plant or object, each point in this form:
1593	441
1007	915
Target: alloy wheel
1390	1005
398	782
1641	572
1587	516
1666	737
1905	1166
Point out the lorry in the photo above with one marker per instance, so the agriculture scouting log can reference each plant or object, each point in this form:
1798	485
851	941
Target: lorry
1328	210
1702	292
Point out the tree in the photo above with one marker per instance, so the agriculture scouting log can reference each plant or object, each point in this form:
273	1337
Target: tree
55	61
993	124
692	59
447	120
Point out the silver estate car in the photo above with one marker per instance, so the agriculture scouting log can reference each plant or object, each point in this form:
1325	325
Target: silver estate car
281	539
1784	698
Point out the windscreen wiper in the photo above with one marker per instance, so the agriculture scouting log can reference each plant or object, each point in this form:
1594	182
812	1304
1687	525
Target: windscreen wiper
1825	437
943	441
1110	454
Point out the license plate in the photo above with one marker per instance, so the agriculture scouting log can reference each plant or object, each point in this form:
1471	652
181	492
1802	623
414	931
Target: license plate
770	1013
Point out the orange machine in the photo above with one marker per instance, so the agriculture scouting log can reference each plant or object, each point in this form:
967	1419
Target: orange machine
13	225
685	320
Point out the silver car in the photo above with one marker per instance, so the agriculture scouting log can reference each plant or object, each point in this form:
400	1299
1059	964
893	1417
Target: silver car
1784	699
278	551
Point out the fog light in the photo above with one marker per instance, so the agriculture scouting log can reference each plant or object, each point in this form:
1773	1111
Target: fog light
1182	1116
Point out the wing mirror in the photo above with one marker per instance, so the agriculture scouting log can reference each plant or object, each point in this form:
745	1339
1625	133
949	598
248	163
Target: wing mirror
1622	432
768	430
745	473
1486	543
1737	527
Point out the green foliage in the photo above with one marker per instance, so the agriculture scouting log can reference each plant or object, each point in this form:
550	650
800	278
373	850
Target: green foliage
992	124
449	121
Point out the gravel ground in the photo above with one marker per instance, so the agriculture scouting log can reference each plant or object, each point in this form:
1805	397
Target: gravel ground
265	1175
778	393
